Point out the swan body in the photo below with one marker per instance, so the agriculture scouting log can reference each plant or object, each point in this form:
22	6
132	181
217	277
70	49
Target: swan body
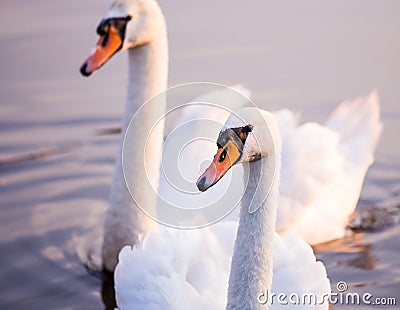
194	272
177	269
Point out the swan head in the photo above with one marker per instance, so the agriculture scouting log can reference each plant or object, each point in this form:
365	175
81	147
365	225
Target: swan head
127	24
247	136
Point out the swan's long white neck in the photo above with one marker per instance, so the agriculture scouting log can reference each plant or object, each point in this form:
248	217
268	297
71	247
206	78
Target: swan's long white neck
252	267
125	223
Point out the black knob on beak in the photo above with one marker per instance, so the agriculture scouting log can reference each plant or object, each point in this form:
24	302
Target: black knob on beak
201	184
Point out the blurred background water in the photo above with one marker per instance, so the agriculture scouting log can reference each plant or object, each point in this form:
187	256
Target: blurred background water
55	170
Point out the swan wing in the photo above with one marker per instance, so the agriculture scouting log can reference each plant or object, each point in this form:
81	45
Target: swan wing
323	169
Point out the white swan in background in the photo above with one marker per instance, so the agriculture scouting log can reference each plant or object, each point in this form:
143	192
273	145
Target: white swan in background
177	269
316	195
139	27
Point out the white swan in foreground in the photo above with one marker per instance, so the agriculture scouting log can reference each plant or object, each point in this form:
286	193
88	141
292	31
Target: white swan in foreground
176	269
317	206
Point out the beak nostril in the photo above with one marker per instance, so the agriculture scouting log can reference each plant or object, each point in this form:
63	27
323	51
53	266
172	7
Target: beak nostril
106	37
201	184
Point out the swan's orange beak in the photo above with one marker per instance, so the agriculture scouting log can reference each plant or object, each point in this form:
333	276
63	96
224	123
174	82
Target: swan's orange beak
107	46
112	34
230	150
215	171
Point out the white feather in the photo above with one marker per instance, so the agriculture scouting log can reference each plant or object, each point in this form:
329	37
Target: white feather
324	166
179	269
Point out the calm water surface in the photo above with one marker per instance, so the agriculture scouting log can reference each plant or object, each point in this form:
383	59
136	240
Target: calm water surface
55	170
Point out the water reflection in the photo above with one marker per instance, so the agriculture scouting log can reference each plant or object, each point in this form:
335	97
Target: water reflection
351	250
108	290
90	258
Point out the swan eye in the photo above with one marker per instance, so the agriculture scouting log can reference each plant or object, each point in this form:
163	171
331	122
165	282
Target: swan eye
222	156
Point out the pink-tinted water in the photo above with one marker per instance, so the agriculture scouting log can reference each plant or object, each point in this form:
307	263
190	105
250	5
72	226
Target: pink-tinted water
55	171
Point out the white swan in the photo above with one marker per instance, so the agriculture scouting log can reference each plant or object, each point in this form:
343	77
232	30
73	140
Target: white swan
139	27
175	269
314	206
